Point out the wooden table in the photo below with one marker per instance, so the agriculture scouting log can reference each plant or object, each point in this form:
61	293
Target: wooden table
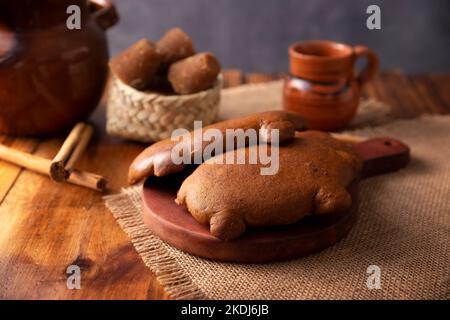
45	227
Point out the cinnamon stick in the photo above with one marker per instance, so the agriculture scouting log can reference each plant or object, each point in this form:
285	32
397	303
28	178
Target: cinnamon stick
88	180
42	165
83	142
58	170
25	160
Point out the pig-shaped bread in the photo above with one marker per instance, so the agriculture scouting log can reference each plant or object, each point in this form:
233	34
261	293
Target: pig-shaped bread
314	172
156	160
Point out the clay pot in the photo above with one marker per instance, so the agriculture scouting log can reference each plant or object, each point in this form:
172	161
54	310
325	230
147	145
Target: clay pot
323	86
51	76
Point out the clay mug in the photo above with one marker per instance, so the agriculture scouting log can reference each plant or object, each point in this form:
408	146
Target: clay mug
323	85
51	76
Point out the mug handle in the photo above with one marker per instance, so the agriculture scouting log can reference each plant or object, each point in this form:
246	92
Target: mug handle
104	12
373	64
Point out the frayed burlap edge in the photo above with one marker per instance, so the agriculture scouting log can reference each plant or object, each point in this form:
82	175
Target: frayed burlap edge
126	208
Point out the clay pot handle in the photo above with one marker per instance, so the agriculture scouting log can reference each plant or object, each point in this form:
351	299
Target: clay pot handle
104	12
372	66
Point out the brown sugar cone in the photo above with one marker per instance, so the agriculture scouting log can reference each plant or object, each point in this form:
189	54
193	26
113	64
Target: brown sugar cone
137	65
175	45
194	74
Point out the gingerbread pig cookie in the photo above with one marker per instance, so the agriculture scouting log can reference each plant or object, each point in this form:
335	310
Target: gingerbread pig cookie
314	172
156	160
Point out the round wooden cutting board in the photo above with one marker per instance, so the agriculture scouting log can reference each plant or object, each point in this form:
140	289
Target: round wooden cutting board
174	225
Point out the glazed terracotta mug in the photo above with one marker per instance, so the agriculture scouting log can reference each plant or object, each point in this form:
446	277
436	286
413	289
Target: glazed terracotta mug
323	85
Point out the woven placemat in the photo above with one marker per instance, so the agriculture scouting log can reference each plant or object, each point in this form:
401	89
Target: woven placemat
403	228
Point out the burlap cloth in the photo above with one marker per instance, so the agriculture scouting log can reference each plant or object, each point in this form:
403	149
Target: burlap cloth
403	228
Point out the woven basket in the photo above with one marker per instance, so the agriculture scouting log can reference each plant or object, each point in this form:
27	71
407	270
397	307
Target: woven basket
150	117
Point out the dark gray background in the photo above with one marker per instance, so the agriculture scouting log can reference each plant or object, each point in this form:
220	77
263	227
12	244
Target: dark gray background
253	35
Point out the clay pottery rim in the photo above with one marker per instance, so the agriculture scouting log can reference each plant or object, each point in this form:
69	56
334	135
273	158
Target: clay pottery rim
321	59
345	50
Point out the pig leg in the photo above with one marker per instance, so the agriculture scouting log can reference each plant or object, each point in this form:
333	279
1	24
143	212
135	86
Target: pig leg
332	199
226	225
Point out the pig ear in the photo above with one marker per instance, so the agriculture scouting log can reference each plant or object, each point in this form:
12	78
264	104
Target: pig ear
286	130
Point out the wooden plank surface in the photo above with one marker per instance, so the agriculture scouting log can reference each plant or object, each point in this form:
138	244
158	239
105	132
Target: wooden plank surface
45	227
9	172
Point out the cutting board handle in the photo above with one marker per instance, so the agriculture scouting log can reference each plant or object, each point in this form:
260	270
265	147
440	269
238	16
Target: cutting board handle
382	155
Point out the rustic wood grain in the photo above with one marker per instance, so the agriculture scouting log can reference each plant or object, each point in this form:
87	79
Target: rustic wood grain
10	172
429	94
396	93
258	78
232	78
46	227
440	85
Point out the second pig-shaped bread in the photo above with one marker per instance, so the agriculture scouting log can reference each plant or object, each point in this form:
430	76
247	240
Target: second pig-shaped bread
156	160
314	172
